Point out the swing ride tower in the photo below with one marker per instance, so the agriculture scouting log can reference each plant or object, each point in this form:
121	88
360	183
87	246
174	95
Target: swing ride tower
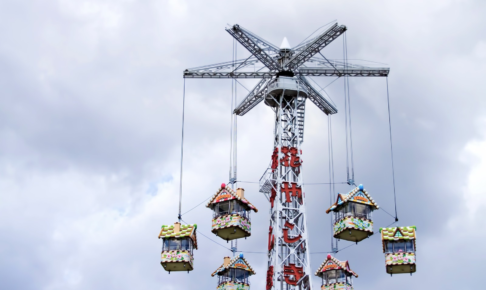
284	87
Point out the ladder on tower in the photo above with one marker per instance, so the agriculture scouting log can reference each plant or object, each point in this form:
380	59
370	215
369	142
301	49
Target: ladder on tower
301	118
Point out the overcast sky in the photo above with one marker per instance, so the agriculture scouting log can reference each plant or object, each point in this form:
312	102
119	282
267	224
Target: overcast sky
90	126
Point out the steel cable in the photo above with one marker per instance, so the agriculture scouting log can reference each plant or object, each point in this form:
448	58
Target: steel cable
349	112
391	149
182	148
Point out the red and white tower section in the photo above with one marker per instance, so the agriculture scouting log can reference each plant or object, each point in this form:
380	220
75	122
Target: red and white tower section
288	248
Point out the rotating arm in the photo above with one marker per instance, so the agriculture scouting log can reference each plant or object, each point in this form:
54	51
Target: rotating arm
350	72
315	46
317	98
228	75
255	45
253	98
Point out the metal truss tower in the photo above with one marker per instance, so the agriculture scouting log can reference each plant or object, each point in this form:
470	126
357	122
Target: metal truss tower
285	88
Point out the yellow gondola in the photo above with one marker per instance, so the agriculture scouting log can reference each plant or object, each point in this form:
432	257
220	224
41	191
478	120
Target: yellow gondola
399	248
234	274
178	242
352	215
231	213
335	274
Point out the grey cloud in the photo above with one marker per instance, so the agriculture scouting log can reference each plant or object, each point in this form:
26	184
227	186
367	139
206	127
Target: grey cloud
90	115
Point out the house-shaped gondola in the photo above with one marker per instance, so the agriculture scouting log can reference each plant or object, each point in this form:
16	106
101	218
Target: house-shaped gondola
352	215
399	246
234	274
335	274
178	242
231	213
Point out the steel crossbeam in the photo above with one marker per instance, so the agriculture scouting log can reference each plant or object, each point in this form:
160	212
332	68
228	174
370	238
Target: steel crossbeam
248	41
350	72
228	75
305	71
254	98
317	98
315	46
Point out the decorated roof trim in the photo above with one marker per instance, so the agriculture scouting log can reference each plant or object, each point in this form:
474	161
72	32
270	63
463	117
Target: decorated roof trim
167	232
232	264
342	265
354	196
232	195
398	234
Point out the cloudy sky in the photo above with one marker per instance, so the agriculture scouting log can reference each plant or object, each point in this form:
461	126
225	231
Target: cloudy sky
90	125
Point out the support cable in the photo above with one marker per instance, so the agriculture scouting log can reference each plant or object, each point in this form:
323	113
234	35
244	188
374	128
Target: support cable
210	239
375	232
391	149
197	205
332	188
231	119
232	169
329	84
305	183
329	23
235	143
349	113
346	112
182	149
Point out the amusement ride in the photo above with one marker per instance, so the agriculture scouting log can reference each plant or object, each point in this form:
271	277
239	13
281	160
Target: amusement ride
285	85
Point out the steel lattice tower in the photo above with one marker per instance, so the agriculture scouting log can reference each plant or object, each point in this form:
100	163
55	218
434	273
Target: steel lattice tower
285	88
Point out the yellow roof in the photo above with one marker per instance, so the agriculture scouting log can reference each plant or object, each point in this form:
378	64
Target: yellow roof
186	231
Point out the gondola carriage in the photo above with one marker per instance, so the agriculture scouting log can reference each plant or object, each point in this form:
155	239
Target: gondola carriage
353	215
231	213
234	274
335	274
178	243
399	246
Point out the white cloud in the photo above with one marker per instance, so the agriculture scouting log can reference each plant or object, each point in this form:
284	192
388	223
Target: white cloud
90	109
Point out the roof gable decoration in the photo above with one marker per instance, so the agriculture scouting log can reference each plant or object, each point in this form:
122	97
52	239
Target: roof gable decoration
398	233
358	195
225	193
179	231
239	262
332	263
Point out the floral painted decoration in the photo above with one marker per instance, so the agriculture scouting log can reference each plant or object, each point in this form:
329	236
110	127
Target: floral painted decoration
231	221
353	223
177	256
400	258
